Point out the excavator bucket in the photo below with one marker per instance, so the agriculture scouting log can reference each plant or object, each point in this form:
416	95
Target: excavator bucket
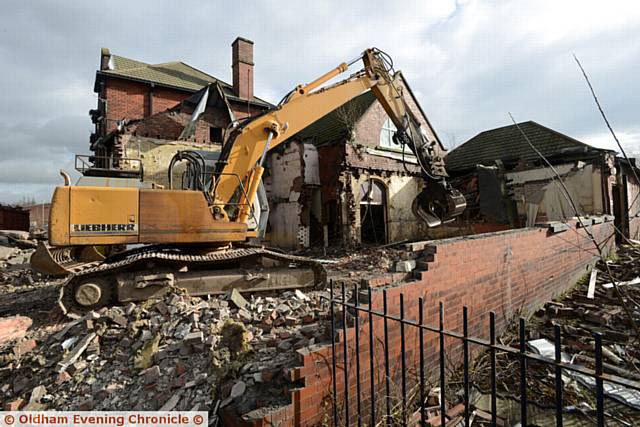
63	261
438	203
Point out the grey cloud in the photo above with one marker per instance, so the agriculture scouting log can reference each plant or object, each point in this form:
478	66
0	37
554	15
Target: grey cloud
470	62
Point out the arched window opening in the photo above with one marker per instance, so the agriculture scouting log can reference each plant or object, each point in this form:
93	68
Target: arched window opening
373	212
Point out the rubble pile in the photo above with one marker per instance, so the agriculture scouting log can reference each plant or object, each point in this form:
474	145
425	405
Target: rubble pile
16	248
352	266
178	353
583	312
594	305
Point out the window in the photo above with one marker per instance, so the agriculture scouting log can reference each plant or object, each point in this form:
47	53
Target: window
386	135
215	135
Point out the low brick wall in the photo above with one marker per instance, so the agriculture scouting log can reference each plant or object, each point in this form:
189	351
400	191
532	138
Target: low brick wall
511	273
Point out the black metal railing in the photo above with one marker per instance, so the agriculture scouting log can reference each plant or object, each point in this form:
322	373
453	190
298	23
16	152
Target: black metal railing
90	165
377	407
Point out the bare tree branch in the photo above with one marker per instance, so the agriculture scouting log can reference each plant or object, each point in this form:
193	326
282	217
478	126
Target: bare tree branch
597	245
604	117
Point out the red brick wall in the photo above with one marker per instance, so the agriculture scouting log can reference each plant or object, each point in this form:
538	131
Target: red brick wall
130	100
504	272
170	124
357	157
164	98
331	159
367	130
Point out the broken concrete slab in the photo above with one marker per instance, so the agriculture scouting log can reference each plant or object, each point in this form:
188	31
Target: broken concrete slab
13	327
15	234
237	299
238	389
7	252
592	283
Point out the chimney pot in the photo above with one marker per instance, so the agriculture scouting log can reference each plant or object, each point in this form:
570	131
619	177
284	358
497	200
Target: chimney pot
242	65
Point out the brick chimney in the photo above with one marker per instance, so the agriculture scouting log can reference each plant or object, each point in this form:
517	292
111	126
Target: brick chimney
242	64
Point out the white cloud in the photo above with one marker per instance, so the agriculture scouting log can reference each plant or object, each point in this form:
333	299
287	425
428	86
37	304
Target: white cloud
629	139
470	62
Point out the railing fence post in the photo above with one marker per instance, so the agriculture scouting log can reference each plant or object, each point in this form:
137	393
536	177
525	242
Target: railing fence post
333	354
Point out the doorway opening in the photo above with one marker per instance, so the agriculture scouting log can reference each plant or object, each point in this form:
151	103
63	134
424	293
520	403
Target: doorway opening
373	213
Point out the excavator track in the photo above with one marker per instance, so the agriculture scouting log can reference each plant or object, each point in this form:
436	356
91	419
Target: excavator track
92	285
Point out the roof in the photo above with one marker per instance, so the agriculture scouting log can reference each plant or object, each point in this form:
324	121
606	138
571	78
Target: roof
507	144
175	74
331	127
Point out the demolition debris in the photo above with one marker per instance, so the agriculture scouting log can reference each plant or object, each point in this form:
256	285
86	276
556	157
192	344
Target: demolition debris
592	306
176	353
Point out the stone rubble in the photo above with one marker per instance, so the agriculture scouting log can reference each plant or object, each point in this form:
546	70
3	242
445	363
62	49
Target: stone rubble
16	248
178	353
174	353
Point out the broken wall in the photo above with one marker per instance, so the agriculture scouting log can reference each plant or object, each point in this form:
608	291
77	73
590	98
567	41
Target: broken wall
540	197
169	124
400	222
131	100
345	164
136	100
156	154
292	183
633	202
510	273
367	129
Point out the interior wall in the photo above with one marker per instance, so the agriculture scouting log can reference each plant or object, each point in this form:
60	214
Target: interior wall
156	154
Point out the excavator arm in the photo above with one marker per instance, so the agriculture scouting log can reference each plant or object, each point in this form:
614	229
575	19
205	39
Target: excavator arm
240	167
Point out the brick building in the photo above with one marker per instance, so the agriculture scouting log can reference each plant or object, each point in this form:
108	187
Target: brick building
143	108
344	180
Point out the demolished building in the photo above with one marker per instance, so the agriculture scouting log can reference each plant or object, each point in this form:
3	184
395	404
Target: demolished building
344	181
507	184
148	112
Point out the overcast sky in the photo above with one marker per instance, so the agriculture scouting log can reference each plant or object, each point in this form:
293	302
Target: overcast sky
469	62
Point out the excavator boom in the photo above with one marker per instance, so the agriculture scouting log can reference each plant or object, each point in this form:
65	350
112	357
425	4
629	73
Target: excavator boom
243	155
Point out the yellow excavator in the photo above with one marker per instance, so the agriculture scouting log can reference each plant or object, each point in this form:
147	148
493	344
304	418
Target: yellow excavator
196	238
